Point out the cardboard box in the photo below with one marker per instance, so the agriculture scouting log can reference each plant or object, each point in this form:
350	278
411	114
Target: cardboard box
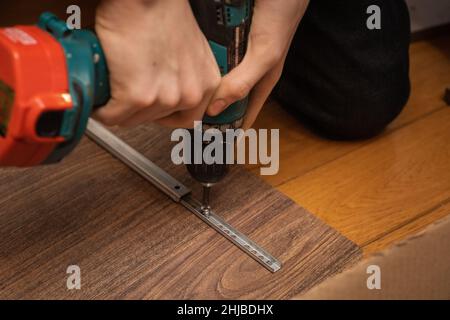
417	268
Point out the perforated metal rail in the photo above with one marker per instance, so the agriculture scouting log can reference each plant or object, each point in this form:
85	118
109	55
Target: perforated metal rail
177	191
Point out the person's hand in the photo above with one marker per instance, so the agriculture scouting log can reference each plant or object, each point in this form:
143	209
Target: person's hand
273	27
161	66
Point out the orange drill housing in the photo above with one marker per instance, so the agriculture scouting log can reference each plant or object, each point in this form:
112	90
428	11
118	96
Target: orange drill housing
33	81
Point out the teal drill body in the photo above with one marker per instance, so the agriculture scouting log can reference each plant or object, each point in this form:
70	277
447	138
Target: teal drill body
226	24
88	81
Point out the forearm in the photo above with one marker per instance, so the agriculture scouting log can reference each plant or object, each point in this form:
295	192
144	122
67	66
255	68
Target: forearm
276	27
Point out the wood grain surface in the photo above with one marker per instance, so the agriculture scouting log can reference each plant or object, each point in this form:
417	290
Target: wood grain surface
383	185
131	241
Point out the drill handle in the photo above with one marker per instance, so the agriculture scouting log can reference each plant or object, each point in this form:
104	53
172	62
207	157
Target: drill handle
226	25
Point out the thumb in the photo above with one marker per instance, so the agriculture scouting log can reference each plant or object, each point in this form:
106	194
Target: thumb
237	84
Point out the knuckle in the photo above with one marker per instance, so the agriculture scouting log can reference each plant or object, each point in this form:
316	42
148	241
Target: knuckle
141	102
170	99
141	98
192	98
239	90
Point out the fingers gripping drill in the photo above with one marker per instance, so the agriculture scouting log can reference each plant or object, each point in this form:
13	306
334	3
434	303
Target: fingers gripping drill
52	78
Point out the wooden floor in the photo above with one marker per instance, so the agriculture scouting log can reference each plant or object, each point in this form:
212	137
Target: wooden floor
132	241
379	191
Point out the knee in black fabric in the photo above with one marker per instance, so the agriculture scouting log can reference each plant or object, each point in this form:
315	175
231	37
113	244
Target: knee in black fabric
363	117
342	79
357	114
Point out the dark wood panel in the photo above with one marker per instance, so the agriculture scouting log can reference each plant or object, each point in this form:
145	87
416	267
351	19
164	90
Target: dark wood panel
131	241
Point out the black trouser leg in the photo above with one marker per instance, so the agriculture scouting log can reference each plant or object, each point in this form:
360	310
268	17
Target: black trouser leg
341	79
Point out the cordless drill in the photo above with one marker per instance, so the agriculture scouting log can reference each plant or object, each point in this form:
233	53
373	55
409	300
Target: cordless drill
52	78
